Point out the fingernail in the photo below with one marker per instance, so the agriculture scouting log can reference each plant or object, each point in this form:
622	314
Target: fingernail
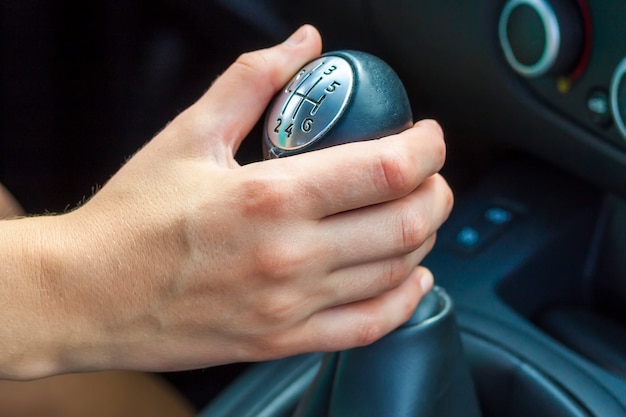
426	281
297	37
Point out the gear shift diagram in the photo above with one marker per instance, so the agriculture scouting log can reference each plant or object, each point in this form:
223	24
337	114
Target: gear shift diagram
340	97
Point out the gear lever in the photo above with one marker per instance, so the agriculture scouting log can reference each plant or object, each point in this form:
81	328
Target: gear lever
340	97
419	369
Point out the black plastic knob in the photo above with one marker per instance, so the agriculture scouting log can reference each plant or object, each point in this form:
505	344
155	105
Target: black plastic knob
339	97
541	37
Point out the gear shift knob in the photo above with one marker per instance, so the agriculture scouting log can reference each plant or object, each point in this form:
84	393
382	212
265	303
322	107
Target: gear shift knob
339	97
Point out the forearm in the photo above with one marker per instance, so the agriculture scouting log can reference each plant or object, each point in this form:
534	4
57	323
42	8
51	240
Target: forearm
64	309
29	325
49	324
76	289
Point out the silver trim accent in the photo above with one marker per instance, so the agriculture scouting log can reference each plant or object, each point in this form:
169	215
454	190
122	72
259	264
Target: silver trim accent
311	103
552	32
618	77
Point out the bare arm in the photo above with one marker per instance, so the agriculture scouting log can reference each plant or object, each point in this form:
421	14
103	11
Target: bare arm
186	259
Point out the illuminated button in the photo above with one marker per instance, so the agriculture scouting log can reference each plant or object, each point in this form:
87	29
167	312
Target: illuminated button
599	107
468	237
486	226
498	215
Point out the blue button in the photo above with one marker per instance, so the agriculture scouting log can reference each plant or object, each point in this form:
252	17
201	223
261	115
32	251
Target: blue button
497	215
468	236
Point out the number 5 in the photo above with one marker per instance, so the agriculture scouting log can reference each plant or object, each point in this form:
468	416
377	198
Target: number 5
332	87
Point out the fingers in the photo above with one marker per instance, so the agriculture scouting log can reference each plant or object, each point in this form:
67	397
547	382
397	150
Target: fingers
364	281
362	323
361	174
237	99
374	249
385	230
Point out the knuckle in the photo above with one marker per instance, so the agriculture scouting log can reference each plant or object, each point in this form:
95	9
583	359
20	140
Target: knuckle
277	309
252	62
393	172
261	64
413	228
368	331
282	260
278	262
395	272
265	197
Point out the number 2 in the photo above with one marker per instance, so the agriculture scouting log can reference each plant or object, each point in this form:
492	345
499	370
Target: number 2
279	121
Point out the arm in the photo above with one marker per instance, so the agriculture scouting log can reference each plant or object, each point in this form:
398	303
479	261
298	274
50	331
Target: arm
186	259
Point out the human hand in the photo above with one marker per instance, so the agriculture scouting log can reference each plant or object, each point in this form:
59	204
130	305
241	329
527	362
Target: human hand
185	259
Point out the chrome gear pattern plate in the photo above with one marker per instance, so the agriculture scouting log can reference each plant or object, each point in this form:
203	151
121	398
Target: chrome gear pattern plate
311	103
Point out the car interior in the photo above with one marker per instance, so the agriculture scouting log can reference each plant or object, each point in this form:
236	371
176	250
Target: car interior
529	316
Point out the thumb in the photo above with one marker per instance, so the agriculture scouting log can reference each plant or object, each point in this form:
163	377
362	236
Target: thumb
227	112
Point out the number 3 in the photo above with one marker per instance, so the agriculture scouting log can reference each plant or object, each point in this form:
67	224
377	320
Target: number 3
330	70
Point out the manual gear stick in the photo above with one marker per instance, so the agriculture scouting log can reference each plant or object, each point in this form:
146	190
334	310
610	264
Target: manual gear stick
418	370
340	97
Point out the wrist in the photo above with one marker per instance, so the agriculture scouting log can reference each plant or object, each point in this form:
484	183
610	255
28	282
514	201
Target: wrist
110	273
73	279
31	331
48	275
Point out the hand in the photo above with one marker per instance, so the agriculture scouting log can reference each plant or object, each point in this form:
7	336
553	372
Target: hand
186	259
